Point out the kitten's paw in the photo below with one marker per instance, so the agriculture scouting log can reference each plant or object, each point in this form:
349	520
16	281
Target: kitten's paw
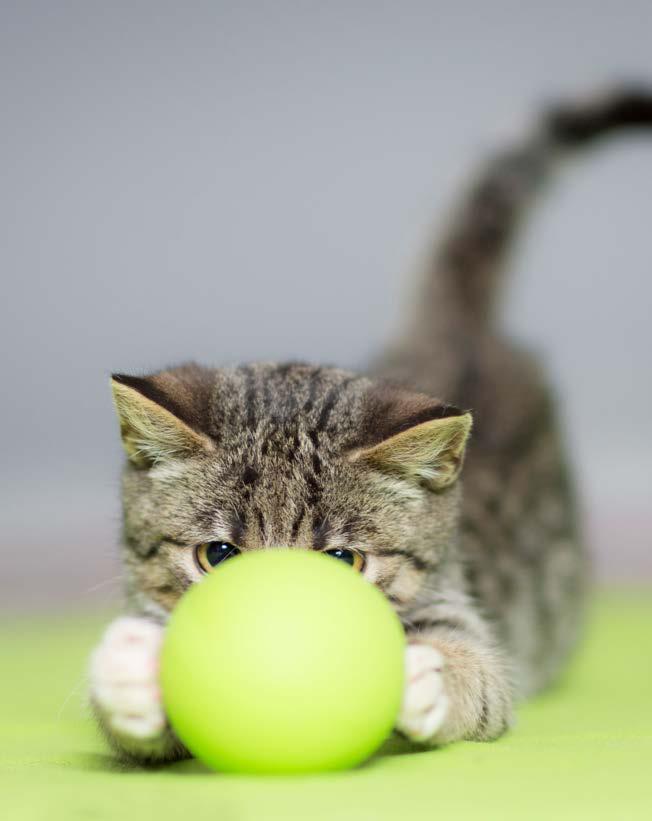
124	680
425	703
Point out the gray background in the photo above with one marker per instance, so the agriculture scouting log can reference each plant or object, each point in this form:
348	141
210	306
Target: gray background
232	181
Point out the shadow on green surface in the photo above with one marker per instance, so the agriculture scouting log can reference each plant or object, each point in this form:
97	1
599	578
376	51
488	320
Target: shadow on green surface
109	763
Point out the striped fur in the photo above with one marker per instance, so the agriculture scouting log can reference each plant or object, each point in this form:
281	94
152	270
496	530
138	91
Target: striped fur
265	455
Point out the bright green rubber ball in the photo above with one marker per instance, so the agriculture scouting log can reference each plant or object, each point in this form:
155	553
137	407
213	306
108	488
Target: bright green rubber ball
283	661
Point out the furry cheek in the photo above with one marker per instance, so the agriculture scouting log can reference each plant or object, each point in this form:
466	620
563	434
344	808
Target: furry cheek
160	582
396	577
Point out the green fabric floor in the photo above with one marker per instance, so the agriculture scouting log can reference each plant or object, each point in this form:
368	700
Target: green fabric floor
583	751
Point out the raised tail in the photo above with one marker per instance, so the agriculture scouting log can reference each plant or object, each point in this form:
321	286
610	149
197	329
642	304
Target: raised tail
470	259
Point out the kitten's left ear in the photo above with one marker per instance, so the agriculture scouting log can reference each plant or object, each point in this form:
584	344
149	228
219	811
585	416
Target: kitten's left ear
157	417
415	436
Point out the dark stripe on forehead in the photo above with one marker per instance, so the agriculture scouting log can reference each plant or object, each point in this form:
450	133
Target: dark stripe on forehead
331	400
313	386
314	490
320	533
250	397
286	403
327	407
267	393
296	524
285	367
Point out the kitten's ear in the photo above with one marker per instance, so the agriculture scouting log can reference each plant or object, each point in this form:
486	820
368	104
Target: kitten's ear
414	436
152	424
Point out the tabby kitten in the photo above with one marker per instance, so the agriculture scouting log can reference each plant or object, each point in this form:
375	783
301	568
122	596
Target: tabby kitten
489	584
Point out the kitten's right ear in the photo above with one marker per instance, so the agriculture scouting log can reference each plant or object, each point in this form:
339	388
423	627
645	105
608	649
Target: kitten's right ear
151	428
413	435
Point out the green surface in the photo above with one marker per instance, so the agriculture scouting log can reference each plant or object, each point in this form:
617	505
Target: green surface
299	683
583	751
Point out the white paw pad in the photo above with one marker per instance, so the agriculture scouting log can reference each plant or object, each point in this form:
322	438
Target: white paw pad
425	703
124	678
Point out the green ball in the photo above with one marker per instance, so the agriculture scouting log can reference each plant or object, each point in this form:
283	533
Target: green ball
283	661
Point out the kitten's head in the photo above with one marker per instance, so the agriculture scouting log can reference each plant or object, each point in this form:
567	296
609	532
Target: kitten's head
262	456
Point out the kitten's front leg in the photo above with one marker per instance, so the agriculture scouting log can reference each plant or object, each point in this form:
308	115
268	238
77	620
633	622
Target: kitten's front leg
125	692
456	686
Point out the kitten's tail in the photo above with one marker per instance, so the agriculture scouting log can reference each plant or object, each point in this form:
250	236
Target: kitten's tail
469	261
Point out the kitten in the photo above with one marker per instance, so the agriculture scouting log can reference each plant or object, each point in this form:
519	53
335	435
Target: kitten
489	584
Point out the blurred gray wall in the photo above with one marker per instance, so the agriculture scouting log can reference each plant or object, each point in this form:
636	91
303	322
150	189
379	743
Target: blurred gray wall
229	181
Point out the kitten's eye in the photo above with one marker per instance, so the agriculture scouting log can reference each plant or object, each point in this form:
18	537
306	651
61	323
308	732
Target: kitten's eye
352	557
210	554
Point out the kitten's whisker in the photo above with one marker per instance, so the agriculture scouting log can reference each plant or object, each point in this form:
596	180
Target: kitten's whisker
75	690
101	584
